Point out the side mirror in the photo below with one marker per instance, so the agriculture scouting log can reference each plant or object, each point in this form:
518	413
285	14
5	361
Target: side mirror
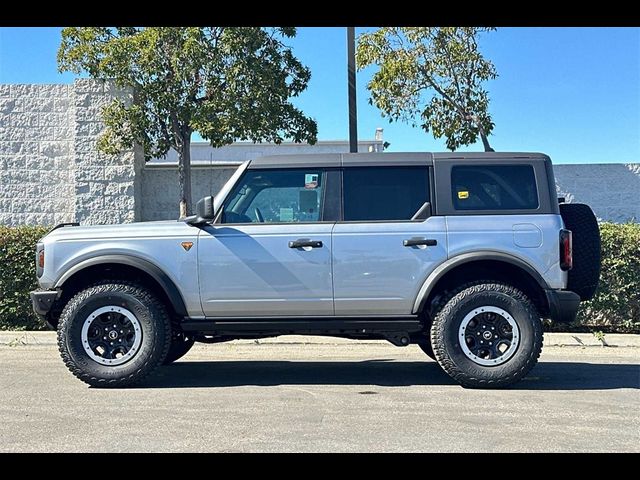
204	212
204	208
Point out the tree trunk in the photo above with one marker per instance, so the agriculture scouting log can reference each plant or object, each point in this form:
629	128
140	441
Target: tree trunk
483	135
184	175
485	141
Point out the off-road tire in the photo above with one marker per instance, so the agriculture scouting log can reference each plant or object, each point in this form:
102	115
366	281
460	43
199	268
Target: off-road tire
181	343
445	338
585	274
148	310
425	346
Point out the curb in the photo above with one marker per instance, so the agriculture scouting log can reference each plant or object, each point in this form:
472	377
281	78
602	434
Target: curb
15	338
589	340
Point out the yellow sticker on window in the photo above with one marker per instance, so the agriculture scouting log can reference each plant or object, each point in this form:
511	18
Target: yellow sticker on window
463	195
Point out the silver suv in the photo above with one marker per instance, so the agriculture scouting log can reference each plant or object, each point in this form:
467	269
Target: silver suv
461	254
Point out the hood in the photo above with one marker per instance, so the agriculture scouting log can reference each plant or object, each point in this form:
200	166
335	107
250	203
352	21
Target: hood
164	228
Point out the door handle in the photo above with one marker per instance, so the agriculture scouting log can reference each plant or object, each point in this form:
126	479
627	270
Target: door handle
418	241
303	242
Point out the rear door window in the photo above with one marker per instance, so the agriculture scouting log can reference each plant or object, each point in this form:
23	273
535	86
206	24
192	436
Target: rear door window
494	187
384	193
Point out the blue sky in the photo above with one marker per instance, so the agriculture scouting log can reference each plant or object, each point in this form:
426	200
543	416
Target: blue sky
573	93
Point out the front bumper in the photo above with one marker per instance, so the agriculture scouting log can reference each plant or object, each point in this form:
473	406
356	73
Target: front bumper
563	305
42	301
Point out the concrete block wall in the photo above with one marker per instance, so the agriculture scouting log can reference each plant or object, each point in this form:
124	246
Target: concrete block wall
36	154
160	188
611	189
203	154
211	168
105	185
50	170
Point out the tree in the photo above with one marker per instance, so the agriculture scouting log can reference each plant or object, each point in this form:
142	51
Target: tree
434	73
226	83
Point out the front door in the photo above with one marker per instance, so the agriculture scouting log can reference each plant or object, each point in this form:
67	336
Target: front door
269	254
387	244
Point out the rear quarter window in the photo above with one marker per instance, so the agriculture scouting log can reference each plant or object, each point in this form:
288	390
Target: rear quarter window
494	187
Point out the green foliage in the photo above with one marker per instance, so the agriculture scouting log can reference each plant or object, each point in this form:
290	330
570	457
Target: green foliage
616	305
615	308
431	75
18	276
227	83
599	335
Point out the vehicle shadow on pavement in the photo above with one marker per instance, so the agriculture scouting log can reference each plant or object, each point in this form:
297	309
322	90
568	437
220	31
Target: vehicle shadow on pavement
381	372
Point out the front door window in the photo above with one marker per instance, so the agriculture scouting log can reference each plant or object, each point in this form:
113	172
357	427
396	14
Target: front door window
276	196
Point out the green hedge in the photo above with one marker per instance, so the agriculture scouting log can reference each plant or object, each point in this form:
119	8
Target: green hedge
616	306
18	277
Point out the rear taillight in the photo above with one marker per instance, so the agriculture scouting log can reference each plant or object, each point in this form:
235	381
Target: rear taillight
566	249
39	259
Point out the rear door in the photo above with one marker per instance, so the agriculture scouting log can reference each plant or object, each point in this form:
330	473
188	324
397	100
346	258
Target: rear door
270	252
381	253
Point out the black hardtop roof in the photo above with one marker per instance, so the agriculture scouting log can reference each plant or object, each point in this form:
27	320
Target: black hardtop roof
386	159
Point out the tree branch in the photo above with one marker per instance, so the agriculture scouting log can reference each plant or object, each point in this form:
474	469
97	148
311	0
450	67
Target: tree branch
444	95
452	69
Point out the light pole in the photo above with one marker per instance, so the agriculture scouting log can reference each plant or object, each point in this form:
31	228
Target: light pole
351	77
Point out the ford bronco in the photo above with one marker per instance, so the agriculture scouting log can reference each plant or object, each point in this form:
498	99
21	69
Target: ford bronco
461	254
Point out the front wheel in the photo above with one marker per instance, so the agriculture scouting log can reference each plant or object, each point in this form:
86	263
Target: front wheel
113	334
181	343
488	335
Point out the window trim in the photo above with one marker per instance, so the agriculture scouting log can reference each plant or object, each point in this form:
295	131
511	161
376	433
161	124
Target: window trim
431	191
444	196
323	171
332	196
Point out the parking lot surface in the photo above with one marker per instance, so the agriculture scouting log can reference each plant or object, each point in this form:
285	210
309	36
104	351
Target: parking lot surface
302	394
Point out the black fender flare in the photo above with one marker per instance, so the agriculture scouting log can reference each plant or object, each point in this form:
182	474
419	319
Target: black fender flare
448	265
155	272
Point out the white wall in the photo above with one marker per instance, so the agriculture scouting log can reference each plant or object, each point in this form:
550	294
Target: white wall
51	172
36	154
203	154
213	167
611	189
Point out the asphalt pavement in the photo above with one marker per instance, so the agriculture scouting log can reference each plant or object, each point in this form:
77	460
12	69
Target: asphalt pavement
299	394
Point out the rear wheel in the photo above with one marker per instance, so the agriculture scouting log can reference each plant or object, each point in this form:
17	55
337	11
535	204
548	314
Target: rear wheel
425	346
487	335
113	334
